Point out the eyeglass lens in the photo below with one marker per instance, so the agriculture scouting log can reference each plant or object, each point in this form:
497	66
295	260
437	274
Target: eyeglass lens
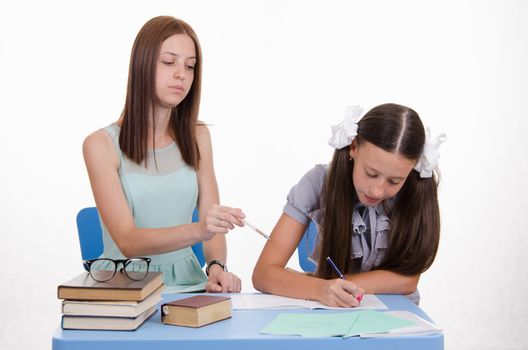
102	269
136	269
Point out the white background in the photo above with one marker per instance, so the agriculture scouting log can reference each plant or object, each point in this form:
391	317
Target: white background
277	74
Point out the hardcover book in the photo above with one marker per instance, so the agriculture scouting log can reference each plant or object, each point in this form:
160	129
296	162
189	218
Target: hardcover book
120	287
106	323
114	308
196	311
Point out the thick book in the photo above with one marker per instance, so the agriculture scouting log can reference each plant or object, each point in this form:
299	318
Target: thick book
115	308
102	323
196	311
120	287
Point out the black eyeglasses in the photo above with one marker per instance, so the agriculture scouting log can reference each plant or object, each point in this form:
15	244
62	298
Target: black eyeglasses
104	269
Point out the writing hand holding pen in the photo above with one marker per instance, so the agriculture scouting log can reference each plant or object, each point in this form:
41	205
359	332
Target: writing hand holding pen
359	295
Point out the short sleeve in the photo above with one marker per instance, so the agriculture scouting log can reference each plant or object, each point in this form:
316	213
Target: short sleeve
303	199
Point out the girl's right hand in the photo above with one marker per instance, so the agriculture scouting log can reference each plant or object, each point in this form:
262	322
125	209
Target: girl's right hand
341	293
221	219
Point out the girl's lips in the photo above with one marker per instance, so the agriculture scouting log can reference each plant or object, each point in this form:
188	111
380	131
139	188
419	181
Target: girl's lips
371	200
176	88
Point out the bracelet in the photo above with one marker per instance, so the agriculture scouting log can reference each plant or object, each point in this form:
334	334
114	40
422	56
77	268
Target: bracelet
214	262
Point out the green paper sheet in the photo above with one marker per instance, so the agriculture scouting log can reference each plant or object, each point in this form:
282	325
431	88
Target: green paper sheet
346	324
376	322
311	324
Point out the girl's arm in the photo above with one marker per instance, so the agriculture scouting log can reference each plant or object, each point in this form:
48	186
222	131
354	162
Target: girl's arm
271	276
102	163
208	199
385	282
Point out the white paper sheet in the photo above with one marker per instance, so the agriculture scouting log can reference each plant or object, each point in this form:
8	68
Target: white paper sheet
268	301
197	288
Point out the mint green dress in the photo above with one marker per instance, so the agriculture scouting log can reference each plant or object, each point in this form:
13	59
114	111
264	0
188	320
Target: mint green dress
160	195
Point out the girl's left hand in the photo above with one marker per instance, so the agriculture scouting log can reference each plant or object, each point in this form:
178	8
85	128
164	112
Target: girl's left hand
223	282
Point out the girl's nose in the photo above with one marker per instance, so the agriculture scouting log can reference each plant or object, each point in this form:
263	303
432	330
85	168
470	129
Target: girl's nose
179	72
377	191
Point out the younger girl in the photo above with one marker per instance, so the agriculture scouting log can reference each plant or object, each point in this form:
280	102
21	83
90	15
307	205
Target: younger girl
376	210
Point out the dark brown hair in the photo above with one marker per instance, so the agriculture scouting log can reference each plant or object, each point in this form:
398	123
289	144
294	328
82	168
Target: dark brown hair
414	215
141	93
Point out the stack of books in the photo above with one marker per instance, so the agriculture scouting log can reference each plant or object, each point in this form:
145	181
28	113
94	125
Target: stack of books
118	304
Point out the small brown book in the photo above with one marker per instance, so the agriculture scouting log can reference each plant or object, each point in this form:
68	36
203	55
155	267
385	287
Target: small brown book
120	287
196	311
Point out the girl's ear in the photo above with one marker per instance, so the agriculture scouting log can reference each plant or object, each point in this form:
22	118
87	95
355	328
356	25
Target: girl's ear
353	149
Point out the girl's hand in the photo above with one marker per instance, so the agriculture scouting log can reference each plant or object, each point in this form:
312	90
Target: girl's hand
220	219
340	292
223	282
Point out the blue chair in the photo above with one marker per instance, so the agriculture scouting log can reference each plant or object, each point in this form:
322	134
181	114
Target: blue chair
306	247
91	235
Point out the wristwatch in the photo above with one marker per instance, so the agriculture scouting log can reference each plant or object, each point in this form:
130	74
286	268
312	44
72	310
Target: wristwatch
214	262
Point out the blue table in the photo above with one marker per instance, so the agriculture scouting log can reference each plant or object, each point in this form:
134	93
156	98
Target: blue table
238	332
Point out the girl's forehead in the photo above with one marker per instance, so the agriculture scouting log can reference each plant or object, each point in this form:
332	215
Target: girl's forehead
391	164
178	44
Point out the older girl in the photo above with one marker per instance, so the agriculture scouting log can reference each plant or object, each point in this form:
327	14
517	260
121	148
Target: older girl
150	168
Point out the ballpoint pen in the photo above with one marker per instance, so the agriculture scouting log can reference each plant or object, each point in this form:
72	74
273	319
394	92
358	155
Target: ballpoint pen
254	228
359	297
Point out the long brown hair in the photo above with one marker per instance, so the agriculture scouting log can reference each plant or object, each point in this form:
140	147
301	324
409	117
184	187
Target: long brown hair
414	232
141	93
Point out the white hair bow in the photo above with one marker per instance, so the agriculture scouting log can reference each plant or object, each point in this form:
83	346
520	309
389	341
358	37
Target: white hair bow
344	132
428	161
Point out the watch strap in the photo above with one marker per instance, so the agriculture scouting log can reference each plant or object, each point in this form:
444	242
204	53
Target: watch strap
214	262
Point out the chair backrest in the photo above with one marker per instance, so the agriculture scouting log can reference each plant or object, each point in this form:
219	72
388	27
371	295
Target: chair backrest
198	247
91	235
306	247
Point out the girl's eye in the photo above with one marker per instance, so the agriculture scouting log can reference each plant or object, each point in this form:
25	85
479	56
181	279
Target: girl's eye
190	67
169	63
371	175
394	182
